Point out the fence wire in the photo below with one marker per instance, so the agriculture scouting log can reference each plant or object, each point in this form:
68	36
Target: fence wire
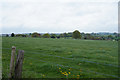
72	59
75	59
89	71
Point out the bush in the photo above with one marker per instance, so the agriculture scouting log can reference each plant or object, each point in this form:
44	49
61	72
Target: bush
46	35
53	36
35	34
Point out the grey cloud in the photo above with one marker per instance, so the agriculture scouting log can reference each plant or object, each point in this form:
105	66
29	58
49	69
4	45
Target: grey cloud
46	16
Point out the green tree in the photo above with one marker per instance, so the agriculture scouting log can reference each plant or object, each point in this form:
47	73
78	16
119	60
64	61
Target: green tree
65	35
18	35
35	34
46	35
53	35
110	37
69	34
76	34
24	35
58	37
61	35
12	35
7	35
30	34
88	36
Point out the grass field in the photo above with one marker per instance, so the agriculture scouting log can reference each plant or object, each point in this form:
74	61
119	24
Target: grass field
63	58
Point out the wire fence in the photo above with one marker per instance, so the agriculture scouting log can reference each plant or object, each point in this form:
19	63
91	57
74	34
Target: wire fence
73	59
89	71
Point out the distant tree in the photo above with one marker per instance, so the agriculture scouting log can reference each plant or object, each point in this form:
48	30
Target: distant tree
18	35
53	35
102	38
30	34
12	35
23	35
76	34
61	35
118	34
65	35
88	36
82	35
69	34
110	37
35	34
92	33
58	37
7	35
114	33
46	35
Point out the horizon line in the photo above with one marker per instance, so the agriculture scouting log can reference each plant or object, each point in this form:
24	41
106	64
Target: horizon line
60	32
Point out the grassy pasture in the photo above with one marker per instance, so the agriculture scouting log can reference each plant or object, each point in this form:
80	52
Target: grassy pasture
63	58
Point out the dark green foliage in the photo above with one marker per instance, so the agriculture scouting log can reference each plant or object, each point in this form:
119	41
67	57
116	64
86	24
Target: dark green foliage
30	34
89	36
76	34
61	35
65	35
46	35
12	35
21	35
110	37
70	34
35	34
7	35
18	35
53	35
58	37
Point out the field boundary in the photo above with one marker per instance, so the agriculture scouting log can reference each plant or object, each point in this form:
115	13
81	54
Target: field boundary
89	71
72	59
79	60
76	68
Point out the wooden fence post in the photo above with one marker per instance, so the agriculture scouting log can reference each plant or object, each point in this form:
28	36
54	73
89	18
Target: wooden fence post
11	74
18	65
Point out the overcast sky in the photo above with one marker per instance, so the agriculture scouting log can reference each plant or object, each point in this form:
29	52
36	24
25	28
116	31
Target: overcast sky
23	16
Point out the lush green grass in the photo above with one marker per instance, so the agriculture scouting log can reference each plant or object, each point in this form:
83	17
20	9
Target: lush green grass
79	58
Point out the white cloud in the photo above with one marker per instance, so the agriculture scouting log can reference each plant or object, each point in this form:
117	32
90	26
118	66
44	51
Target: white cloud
59	15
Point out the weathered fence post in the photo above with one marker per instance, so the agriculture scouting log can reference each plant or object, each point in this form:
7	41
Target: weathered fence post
18	65
11	74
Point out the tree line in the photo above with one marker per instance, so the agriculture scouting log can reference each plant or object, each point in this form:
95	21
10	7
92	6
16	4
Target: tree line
75	35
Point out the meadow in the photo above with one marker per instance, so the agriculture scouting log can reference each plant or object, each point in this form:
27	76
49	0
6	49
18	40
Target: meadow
63	58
